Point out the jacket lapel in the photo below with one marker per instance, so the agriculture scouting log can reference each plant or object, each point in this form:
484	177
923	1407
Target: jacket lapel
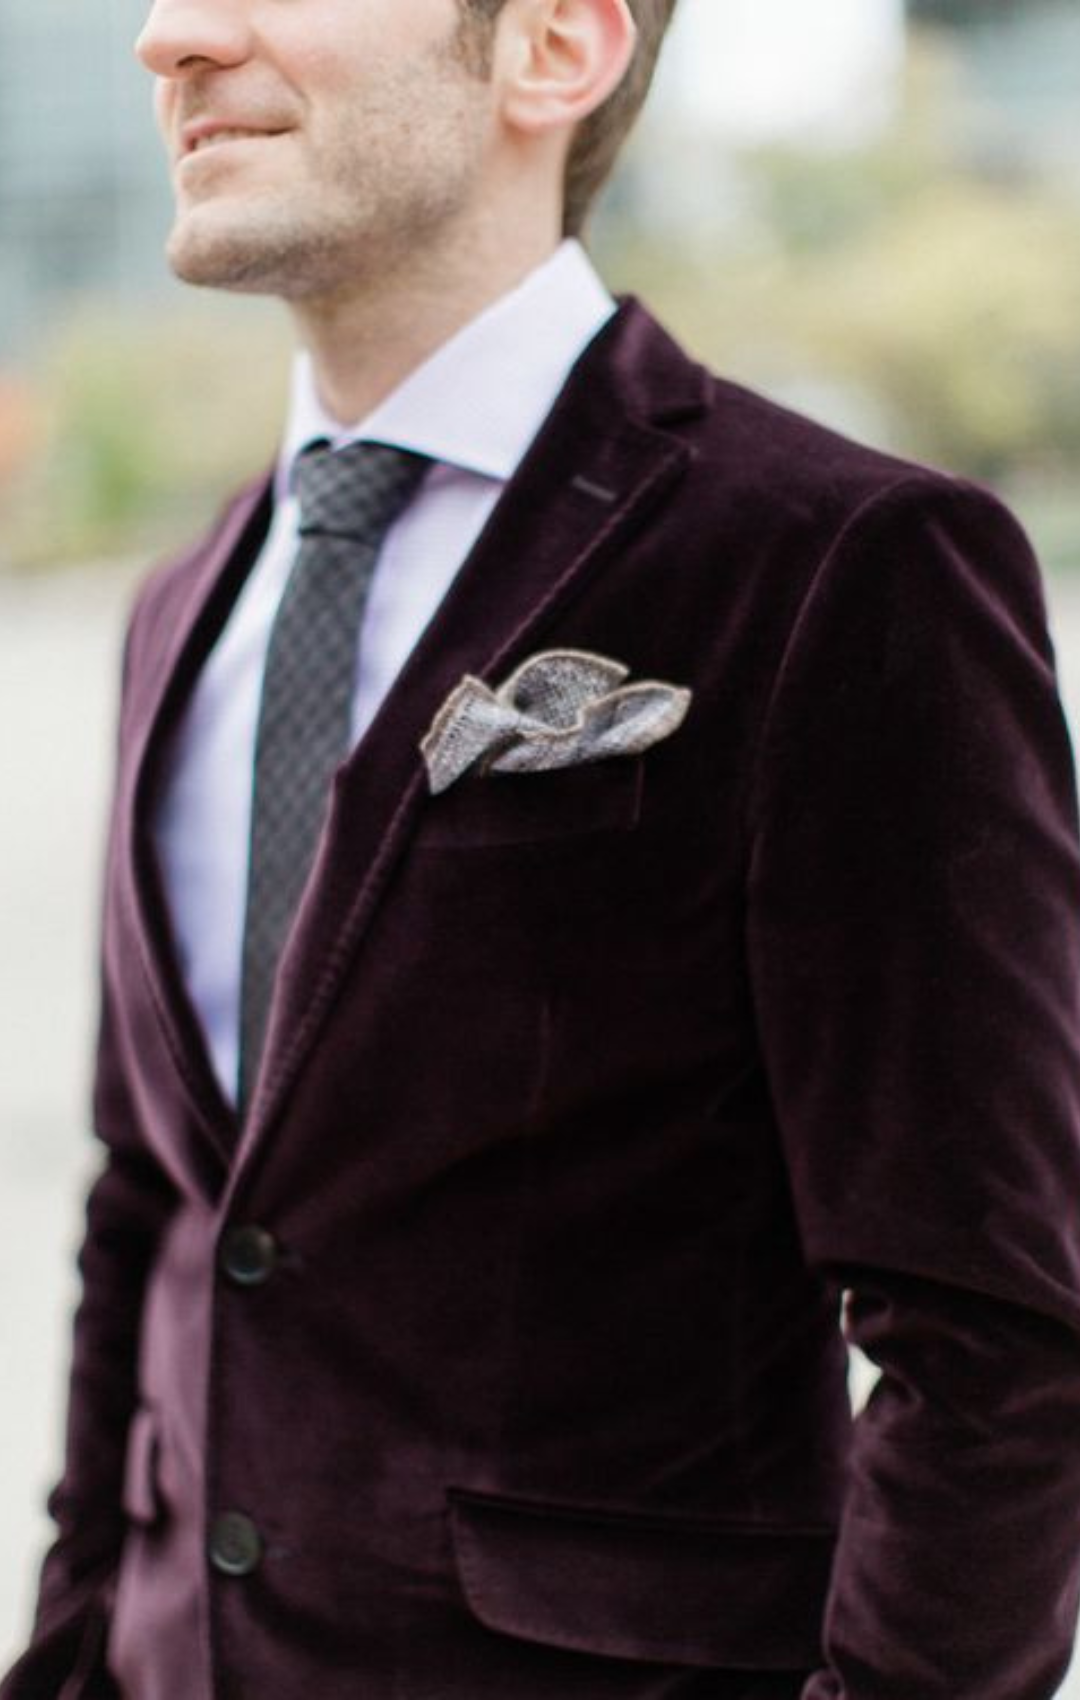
187	635
605	459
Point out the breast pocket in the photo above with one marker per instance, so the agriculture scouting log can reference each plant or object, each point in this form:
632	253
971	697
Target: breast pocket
560	806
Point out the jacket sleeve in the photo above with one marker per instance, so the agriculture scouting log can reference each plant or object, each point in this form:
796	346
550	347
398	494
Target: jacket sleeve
127	1208
914	940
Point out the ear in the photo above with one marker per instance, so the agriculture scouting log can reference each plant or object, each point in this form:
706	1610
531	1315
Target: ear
558	60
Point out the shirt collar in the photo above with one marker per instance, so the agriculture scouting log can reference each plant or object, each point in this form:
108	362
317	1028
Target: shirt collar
479	400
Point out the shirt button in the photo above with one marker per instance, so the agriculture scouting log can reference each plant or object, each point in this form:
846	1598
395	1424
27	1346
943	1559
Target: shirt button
236	1547
249	1256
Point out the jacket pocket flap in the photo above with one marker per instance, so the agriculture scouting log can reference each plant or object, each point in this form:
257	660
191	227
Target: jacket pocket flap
142	1495
679	1591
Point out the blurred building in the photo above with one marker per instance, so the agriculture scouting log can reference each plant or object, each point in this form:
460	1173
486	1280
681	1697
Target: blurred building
1022	59
82	193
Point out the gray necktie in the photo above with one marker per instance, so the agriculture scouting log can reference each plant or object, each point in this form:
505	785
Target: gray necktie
348	498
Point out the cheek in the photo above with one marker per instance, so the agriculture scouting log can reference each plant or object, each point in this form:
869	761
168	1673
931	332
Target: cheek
340	47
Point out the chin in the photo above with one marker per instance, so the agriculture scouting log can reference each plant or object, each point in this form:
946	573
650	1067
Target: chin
268	250
212	248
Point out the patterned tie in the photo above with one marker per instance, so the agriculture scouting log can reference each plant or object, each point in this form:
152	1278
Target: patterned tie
348	498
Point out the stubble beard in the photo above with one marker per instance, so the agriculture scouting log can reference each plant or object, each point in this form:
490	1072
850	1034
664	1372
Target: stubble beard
317	245
271	248
362	205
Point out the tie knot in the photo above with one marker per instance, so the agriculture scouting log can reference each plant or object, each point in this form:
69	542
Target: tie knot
355	492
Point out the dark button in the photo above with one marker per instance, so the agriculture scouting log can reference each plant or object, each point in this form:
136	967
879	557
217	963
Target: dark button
236	1547
249	1256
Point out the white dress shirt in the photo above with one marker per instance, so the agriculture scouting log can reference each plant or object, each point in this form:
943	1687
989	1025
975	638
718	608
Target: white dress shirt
474	408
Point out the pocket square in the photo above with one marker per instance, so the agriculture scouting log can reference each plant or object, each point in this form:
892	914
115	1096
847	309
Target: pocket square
559	708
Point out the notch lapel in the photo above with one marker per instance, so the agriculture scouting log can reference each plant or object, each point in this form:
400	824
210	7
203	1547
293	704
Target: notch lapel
602	462
189	633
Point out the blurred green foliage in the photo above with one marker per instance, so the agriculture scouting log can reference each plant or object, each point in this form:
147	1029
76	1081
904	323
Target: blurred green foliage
149	419
901	291
958	309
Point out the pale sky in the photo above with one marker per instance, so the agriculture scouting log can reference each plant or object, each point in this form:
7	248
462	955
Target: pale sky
761	68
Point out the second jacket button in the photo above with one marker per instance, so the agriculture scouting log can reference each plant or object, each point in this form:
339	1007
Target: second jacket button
249	1255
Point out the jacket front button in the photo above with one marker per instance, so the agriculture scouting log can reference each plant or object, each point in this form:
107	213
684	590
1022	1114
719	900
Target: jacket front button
236	1547
249	1255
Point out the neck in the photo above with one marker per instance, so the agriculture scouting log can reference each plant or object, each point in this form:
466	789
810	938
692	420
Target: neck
365	342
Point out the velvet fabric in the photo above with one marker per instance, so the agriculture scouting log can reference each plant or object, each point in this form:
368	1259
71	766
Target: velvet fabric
586	1095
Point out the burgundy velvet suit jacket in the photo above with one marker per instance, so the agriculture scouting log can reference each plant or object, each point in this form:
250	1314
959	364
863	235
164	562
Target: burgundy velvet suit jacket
585	1096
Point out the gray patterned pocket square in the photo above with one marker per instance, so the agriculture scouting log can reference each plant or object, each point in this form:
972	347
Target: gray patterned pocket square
558	709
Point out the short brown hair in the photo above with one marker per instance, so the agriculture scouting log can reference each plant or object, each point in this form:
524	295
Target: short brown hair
600	137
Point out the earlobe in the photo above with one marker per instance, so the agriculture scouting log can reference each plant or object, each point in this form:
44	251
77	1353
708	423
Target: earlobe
564	58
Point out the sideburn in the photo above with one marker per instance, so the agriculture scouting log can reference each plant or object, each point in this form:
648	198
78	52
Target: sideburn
474	39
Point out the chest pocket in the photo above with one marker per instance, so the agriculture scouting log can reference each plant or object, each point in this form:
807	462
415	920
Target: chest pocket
560	806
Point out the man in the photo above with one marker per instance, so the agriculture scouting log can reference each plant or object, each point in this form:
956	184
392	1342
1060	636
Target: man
680	932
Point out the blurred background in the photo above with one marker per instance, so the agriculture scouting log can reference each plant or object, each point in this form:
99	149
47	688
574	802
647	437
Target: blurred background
868	208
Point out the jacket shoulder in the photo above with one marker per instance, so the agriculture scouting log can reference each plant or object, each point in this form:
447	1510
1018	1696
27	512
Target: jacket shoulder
805	470
751	457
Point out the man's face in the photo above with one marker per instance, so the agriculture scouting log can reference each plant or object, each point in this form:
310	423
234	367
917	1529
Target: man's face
313	141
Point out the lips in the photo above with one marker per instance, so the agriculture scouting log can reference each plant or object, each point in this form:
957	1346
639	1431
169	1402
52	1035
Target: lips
207	133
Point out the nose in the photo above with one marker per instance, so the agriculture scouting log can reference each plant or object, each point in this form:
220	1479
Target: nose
191	35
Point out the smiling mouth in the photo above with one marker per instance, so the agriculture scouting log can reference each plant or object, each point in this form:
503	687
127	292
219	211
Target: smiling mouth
219	138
